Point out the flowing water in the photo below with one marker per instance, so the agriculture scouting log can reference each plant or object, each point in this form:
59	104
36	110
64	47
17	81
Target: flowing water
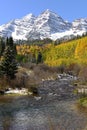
27	113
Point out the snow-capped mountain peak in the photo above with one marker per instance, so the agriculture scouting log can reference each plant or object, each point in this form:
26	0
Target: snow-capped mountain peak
80	24
47	25
28	17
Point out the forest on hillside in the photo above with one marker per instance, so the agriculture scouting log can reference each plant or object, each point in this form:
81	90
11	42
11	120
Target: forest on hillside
65	53
50	52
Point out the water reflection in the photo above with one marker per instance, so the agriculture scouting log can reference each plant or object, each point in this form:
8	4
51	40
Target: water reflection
16	114
6	123
26	120
23	113
6	119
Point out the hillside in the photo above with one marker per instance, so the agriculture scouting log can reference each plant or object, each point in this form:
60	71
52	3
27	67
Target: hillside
74	51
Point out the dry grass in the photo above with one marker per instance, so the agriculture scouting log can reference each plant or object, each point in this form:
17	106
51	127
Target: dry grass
29	76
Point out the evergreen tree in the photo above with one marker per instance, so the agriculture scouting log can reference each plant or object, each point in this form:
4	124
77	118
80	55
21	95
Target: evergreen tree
39	58
9	42
8	66
15	50
2	46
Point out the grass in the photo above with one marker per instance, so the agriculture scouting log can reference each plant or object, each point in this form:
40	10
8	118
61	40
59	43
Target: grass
75	91
83	101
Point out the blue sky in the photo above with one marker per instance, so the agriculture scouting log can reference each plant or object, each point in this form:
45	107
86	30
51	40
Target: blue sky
67	9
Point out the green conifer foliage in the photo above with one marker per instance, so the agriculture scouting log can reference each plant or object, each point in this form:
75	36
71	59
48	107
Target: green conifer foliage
39	58
8	66
2	46
9	42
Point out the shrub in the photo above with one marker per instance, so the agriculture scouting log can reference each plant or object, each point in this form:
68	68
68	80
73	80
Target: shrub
34	90
83	74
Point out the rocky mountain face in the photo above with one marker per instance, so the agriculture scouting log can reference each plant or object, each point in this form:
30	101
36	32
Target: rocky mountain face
80	24
18	28
47	25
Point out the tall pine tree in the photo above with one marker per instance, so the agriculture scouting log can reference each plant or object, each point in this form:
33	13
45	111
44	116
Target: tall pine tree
2	46
39	57
8	66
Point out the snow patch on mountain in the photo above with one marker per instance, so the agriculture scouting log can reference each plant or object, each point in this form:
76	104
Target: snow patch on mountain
66	35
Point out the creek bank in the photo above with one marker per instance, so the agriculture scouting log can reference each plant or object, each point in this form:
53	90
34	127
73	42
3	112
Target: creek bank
60	88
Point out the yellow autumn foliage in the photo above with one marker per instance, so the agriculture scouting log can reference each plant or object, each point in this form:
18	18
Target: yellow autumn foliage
74	51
